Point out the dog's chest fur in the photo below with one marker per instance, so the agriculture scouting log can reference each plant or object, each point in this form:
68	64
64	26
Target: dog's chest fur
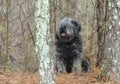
68	50
67	47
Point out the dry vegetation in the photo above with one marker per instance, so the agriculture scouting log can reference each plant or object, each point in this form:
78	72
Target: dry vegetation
8	77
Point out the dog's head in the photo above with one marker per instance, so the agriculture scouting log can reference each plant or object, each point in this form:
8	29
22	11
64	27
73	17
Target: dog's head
67	29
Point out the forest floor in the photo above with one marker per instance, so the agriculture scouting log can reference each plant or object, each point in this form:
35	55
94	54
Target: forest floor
7	77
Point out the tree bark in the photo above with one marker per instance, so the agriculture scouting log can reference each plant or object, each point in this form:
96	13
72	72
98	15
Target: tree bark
43	42
4	30
111	62
101	25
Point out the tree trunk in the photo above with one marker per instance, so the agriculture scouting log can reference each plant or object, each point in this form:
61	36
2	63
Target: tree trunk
4	30
43	42
111	62
101	25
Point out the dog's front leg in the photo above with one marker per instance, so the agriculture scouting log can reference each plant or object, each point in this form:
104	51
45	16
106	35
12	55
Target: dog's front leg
77	65
60	67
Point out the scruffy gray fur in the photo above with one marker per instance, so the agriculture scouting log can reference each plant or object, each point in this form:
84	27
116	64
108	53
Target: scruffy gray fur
69	47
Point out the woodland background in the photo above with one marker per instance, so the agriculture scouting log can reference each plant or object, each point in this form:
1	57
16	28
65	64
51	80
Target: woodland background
17	33
17	30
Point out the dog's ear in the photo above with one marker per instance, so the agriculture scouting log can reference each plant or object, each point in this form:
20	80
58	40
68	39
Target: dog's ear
77	25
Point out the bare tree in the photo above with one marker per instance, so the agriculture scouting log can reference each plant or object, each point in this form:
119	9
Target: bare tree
101	16
4	33
111	60
43	42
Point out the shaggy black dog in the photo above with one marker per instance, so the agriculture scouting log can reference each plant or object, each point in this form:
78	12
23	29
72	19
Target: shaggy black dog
69	47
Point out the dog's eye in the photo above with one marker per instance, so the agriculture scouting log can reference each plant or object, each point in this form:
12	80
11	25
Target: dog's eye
74	23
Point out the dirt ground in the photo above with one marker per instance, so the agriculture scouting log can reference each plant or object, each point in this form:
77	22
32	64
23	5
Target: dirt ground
6	77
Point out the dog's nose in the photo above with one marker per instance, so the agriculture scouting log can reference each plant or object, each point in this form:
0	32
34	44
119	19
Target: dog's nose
63	28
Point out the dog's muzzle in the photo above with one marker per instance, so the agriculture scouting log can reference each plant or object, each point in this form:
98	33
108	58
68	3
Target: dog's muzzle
63	32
